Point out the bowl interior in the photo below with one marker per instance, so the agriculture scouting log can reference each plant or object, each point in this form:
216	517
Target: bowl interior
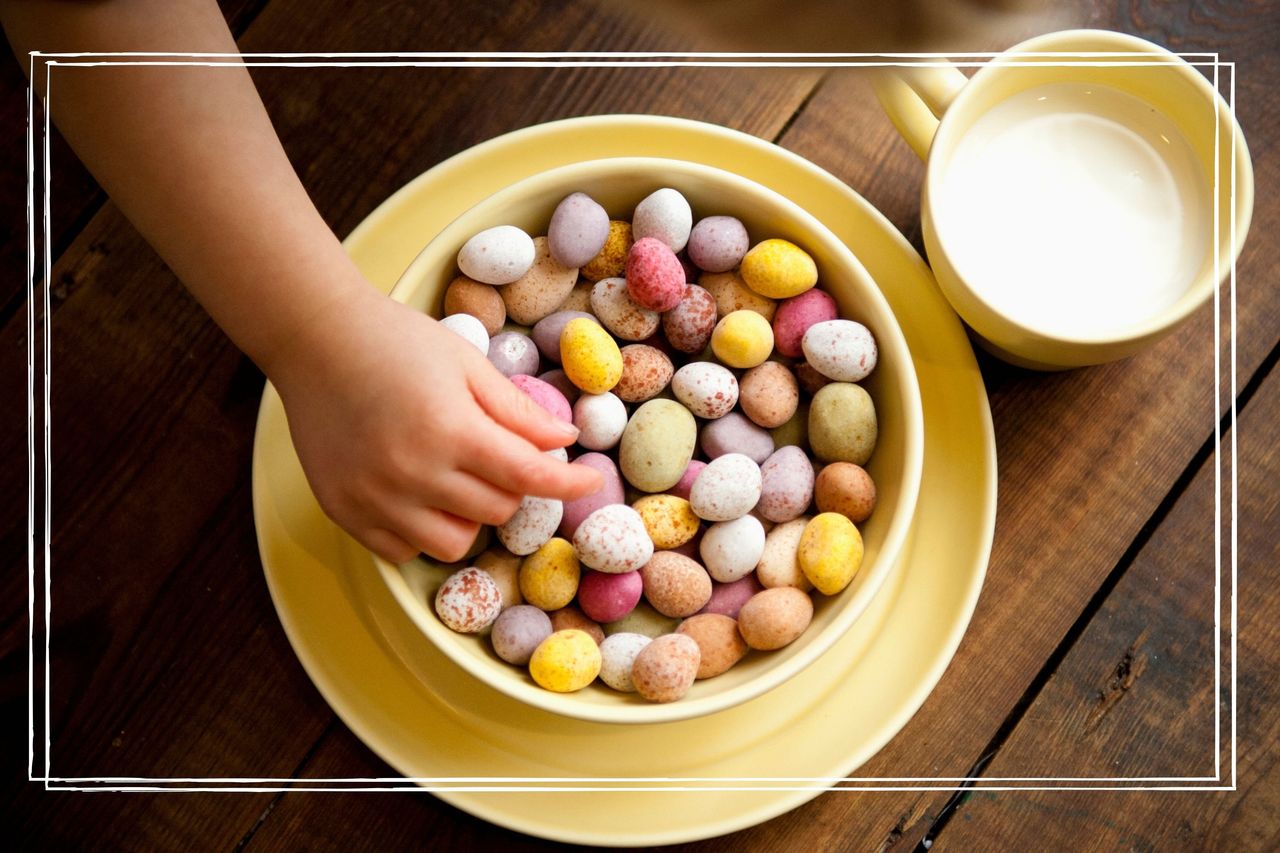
619	184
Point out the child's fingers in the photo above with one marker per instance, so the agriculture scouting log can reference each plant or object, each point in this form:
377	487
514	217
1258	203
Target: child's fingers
471	497
512	464
439	534
515	410
388	545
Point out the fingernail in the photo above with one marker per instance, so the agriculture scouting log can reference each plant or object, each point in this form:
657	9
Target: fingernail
567	428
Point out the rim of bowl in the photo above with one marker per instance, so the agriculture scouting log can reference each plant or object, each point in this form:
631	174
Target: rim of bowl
564	704
1199	291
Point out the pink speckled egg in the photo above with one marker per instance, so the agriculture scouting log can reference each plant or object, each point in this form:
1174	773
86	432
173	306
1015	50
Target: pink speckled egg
545	395
728	598
796	315
786	484
468	601
655	279
607	597
684	486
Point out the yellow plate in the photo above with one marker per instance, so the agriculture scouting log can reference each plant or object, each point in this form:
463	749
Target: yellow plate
433	723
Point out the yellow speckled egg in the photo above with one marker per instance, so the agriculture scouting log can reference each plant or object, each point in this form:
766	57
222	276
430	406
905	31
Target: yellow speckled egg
612	259
669	520
549	576
565	661
830	552
590	356
778	269
742	339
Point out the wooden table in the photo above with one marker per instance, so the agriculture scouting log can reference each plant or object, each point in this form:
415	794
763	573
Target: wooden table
1092	647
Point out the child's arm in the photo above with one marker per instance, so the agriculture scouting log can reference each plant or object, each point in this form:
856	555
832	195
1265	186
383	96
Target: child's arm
408	436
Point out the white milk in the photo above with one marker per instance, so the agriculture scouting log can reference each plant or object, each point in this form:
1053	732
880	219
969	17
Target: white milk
1074	209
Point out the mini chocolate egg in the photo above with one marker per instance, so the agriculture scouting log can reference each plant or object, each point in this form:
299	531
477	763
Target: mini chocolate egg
718	640
689	325
708	389
560	381
674	584
590	356
468	601
613	539
664	215
607	597
669	520
795	431
734	433
847	489
482	301
544	395
655	279
796	315
778	269
546	332
571	618
665	669
600	419
643	620
618	654
470	329
840	349
578	230
513	353
620	314
518	631
549	576
769	394
728	598
717	243
534	522
732	294
811	381
780	563
497	255
542	288
684	486
579	299
742	339
727	488
611	492
731	549
842	424
646	371
786	484
775	617
830	552
657	445
504	568
565	661
612	259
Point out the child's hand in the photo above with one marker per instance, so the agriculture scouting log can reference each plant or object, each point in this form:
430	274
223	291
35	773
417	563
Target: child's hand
409	436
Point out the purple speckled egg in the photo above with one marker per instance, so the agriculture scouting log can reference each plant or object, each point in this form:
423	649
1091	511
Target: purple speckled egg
734	433
518	631
611	492
546	332
608	597
684	486
545	395
513	354
717	243
578	230
794	317
728	598
560	381
786	484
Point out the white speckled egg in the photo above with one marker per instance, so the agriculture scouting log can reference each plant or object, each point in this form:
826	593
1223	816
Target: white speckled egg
727	488
709	390
664	215
613	539
534	522
731	549
497	255
787	484
600	419
470	329
468	601
617	655
613	306
840	349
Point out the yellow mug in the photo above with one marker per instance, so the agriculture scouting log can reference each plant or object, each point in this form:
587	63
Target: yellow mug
1085	191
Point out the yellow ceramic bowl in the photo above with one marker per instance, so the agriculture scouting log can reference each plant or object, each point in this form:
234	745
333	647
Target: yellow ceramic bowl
619	184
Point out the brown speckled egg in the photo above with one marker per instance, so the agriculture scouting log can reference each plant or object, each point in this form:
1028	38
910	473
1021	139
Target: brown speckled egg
645	372
571	617
847	489
775	617
541	290
614	307
504	568
689	325
809	378
468	601
718	640
482	301
674	584
665	669
769	394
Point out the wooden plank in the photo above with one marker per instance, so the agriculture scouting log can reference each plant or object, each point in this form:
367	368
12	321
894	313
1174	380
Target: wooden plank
167	657
1136	695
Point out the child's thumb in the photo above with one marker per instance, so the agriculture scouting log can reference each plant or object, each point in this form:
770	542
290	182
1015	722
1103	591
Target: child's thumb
515	410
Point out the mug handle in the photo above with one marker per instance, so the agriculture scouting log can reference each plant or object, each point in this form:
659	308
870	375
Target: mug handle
915	97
